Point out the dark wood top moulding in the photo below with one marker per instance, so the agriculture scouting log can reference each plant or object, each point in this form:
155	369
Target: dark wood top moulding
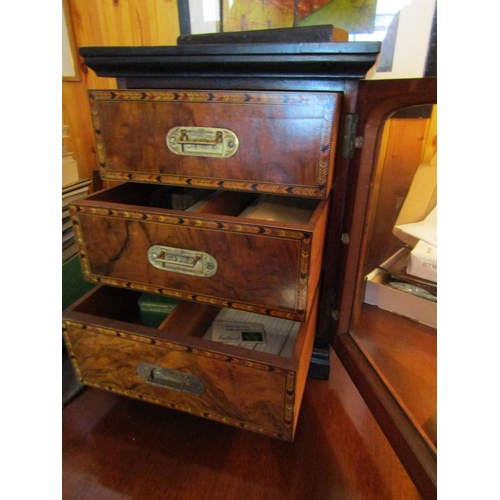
323	60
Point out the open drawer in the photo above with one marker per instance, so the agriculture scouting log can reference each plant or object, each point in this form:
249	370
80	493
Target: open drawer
174	366
228	249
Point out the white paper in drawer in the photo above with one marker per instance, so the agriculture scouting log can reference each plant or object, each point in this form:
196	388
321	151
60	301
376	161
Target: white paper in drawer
280	334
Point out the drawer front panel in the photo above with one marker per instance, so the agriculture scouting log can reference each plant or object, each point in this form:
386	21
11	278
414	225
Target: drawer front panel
134	130
261	269
234	391
258	272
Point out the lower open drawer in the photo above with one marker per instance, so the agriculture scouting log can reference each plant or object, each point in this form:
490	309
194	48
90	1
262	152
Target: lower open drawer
175	366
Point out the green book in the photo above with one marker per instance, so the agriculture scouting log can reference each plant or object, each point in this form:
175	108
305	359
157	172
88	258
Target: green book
155	308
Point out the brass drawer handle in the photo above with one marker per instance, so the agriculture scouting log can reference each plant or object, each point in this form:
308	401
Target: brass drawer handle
202	141
180	260
173	380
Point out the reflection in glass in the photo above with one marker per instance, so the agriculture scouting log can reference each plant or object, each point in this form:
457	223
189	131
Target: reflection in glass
394	319
244	15
356	17
204	16
364	20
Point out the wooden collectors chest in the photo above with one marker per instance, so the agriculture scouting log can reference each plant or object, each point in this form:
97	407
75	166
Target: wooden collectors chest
253	126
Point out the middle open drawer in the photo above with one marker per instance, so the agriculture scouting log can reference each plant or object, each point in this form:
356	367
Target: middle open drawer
227	249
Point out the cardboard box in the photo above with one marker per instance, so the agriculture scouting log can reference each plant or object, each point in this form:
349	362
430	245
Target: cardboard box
423	261
379	293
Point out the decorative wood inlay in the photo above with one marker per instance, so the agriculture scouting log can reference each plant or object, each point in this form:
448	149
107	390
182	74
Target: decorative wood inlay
179	347
304	238
189	221
289	402
213	301
326	102
257	187
71	353
116	373
286	435
252	98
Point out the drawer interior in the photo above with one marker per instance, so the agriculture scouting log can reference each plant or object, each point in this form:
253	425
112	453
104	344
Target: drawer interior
187	319
243	386
204	201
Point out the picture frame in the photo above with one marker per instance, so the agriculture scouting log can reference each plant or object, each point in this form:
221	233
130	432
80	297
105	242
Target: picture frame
409	49
70	66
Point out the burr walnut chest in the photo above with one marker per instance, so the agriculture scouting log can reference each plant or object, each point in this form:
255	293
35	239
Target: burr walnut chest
231	162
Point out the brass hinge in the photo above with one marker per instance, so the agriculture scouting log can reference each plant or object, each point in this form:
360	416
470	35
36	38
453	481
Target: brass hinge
351	140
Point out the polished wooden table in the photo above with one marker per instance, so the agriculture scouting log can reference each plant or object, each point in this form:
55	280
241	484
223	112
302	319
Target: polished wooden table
120	448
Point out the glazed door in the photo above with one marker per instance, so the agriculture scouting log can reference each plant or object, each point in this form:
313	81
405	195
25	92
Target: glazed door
385	334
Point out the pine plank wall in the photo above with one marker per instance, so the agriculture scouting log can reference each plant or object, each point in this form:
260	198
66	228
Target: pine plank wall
97	23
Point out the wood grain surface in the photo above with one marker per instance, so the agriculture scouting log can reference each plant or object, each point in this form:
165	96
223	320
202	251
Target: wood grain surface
263	266
131	128
237	393
405	144
116	23
405	353
119	448
395	370
257	391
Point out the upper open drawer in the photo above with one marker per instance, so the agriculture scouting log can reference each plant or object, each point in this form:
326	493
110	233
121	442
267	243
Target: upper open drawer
266	142
229	249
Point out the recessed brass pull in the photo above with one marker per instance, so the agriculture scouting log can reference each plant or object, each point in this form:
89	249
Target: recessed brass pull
173	380
184	139
202	141
180	260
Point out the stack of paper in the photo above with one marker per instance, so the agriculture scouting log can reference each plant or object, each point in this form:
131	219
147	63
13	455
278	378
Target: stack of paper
279	334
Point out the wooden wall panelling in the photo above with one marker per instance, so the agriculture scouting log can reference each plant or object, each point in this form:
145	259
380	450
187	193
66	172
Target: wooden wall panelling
76	115
109	23
405	144
430	143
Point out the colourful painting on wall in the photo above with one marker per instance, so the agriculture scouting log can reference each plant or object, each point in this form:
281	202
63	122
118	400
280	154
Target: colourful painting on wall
244	15
355	16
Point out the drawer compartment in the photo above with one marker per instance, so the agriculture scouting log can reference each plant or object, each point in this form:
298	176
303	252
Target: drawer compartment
174	366
267	142
210	255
